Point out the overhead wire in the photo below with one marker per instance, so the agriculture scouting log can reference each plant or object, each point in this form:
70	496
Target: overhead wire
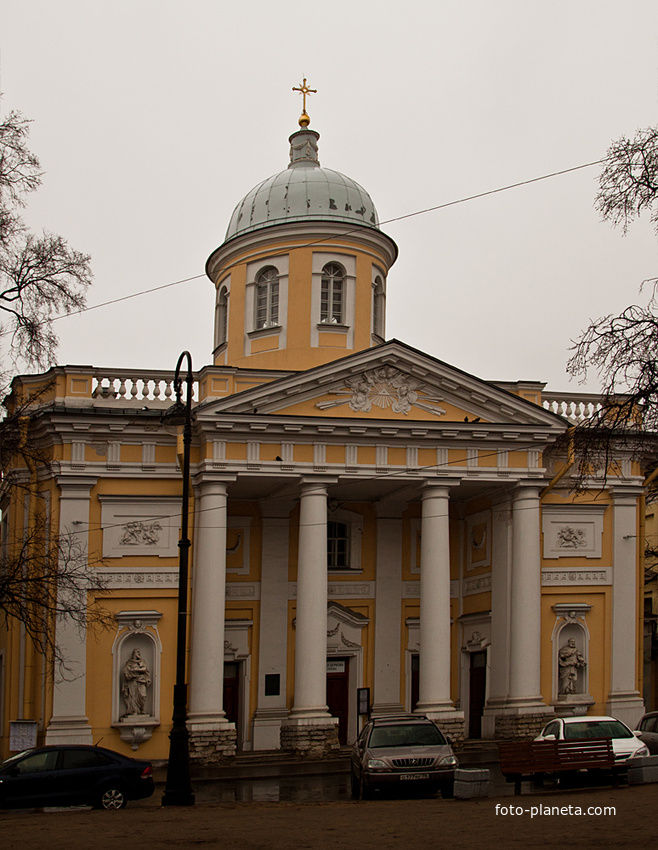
347	232
312	243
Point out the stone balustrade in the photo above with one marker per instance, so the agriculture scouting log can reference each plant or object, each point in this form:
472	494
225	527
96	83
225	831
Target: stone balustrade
155	387
576	407
135	386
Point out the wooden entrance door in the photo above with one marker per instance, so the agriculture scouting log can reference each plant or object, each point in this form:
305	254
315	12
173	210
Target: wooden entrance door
232	692
338	694
477	693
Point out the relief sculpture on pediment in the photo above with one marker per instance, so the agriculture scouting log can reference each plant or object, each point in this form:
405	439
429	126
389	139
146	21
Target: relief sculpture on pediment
384	387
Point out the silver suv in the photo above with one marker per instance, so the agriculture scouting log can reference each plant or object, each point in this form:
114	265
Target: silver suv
401	750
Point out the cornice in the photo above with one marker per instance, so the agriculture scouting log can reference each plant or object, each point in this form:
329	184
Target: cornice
283	238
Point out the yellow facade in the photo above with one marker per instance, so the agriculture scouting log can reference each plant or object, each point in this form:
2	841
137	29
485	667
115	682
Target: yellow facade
331	471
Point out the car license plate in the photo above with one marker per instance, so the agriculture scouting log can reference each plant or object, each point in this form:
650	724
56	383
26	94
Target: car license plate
404	776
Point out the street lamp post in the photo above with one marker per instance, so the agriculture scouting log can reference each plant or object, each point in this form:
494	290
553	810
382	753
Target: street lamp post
178	790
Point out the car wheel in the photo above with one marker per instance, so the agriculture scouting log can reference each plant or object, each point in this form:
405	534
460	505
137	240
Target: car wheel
448	790
111	797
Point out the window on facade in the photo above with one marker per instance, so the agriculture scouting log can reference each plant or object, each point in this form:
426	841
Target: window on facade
267	298
332	295
378	307
222	316
338	545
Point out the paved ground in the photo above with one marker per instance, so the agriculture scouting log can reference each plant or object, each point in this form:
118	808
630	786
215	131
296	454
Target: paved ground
545	820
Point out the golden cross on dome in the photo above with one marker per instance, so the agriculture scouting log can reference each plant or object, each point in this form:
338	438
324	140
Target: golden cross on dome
303	89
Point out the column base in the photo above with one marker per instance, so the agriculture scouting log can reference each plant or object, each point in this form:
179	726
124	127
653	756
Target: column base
381	709
627	706
267	728
309	737
212	743
518	717
68	730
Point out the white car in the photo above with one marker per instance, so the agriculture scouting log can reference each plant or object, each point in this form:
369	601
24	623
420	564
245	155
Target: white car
625	742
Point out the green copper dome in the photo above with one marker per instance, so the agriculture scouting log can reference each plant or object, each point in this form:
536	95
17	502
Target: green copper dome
303	192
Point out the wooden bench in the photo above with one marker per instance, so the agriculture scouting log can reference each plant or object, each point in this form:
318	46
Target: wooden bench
530	759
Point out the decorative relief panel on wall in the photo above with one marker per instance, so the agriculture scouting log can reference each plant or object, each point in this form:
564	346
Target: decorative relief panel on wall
238	535
411	589
478	540
339	590
125	578
385	388
575	532
477	584
140	526
141	534
344	629
582	576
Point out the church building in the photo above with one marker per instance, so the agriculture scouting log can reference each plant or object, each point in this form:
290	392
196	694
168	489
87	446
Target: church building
373	530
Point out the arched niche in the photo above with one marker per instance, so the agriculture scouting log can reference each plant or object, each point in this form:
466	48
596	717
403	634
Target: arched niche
570	653
136	655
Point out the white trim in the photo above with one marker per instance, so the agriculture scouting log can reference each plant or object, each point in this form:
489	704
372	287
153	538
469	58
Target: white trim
573	532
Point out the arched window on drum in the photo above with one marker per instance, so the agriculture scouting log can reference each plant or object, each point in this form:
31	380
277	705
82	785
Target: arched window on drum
332	295
267	298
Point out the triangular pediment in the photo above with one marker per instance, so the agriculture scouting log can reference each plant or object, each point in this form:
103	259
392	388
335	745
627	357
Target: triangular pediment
394	382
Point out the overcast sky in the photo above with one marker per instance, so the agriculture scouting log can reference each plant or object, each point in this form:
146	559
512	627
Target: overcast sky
153	118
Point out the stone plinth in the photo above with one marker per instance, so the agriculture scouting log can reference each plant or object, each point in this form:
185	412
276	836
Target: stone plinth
511	727
213	746
310	741
452	726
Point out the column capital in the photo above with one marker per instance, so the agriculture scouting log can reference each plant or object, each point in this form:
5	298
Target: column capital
204	477
323	480
75	486
527	490
626	493
441	487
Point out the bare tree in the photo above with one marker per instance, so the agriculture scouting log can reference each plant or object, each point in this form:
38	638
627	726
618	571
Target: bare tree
44	577
628	185
622	349
40	276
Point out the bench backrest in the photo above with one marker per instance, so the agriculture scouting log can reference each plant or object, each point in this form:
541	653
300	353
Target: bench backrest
538	756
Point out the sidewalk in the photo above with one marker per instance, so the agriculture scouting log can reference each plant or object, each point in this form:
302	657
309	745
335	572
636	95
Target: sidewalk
271	763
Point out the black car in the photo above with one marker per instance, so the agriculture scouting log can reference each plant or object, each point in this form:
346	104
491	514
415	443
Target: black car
73	775
407	750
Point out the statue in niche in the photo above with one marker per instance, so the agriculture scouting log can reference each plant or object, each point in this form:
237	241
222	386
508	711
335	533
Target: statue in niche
136	679
570	660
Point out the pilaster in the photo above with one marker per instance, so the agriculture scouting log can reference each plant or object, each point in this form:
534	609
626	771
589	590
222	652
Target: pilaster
624	700
69	723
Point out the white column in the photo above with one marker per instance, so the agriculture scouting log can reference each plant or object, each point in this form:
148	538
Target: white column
525	602
206	665
272	653
311	620
69	723
434	662
501	560
388	604
624	699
